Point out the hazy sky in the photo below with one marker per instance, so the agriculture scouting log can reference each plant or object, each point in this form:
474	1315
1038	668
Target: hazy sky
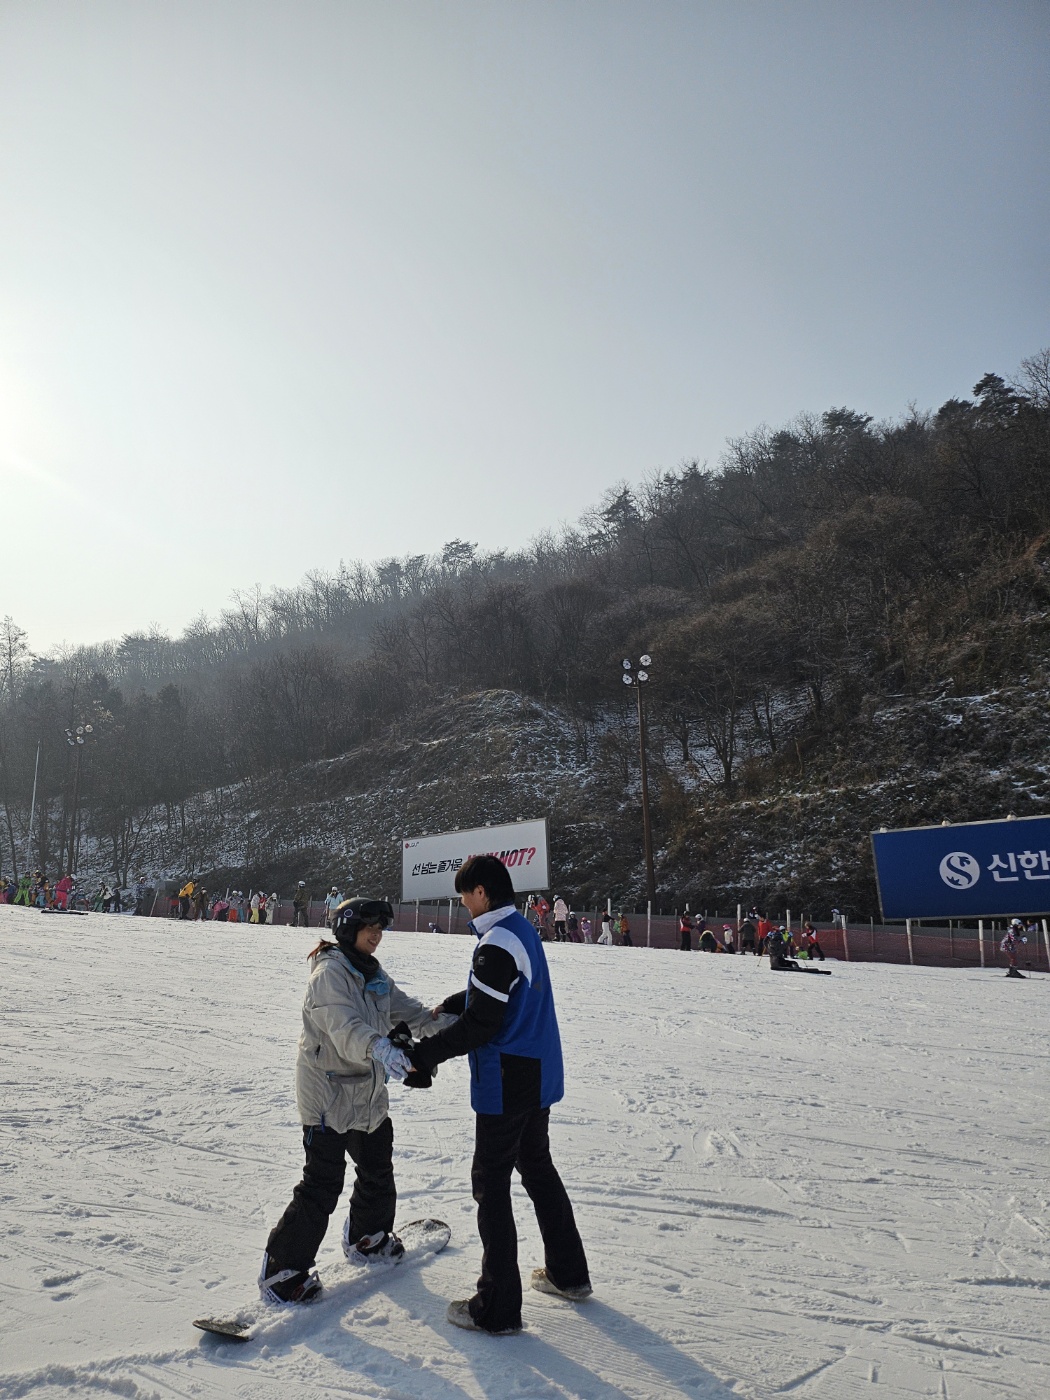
282	283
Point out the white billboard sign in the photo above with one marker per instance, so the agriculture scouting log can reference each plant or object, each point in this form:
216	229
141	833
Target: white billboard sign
429	863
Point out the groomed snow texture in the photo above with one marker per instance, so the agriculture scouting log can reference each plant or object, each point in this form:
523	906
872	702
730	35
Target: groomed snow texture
787	1185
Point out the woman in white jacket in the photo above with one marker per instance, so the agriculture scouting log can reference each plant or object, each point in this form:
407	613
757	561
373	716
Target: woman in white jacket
345	1058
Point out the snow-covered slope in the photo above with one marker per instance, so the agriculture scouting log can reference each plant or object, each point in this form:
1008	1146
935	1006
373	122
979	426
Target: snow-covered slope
786	1184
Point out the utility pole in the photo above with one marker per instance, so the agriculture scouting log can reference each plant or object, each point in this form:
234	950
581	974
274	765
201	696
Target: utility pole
639	679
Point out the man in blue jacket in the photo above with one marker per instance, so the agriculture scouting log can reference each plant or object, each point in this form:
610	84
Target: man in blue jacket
507	1025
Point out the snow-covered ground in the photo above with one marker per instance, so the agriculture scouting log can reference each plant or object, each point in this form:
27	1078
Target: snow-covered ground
795	1185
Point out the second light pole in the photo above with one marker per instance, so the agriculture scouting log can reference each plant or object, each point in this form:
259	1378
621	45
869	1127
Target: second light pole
76	739
640	679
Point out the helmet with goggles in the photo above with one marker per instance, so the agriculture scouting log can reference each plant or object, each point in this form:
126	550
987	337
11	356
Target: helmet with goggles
353	914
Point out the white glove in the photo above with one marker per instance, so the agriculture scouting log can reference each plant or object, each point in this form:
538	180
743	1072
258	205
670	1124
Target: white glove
394	1061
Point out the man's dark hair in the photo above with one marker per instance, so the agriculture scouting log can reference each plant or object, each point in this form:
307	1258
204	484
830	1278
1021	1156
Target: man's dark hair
491	874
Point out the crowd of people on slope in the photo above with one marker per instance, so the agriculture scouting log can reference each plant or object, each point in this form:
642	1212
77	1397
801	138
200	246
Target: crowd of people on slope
554	921
194	902
557	923
758	935
65	895
36	891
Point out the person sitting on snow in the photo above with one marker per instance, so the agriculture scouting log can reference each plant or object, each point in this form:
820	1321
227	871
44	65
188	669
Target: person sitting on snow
779	948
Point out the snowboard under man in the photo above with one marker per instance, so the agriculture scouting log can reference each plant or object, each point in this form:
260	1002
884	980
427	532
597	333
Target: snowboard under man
345	1058
506	1022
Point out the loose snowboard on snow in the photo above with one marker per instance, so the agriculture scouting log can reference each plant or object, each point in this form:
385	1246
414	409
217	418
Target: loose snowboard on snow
421	1238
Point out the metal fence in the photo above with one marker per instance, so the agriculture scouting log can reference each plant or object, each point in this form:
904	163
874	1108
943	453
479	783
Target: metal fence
923	945
934	946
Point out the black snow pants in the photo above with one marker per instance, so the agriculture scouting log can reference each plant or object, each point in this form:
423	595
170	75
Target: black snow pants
502	1142
295	1240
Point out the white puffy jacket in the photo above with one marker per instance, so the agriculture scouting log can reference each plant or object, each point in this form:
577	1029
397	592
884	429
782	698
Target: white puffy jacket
337	1084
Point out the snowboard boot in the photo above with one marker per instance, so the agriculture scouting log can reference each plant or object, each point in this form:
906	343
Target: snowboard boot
543	1283
279	1285
1013	972
459	1315
384	1244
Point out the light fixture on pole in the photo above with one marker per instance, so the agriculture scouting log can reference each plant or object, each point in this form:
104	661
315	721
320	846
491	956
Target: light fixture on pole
640	679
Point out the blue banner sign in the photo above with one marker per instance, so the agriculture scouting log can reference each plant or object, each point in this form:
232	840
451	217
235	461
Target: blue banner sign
968	871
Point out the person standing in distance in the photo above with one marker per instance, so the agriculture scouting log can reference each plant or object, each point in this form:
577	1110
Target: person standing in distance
1011	946
300	906
331	904
507	1024
685	931
561	917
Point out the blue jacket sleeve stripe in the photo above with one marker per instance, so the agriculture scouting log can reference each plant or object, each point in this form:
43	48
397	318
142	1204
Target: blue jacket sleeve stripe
491	991
502	937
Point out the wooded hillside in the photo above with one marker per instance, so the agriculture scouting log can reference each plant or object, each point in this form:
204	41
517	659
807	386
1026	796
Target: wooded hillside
821	575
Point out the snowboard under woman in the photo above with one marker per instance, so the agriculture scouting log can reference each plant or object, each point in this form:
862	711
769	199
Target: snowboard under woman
345	1058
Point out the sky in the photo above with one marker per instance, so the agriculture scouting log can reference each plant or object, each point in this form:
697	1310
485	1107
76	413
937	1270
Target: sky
288	283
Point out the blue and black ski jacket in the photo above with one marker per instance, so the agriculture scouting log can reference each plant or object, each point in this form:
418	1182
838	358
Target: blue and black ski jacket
506	1020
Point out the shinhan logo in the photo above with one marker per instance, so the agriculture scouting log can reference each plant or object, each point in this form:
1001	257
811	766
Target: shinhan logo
960	870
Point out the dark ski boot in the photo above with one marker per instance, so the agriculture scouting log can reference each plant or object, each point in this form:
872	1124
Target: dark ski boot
279	1285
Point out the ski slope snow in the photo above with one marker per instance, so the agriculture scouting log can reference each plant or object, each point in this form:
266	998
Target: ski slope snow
816	1187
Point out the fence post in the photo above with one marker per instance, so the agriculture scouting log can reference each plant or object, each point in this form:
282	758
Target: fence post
649	925
845	937
417	916
911	949
450	916
1046	943
980	938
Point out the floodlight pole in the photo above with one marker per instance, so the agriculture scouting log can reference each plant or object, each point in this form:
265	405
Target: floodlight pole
650	874
76	739
639	679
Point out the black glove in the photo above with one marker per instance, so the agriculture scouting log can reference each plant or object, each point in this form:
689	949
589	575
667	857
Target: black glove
420	1077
